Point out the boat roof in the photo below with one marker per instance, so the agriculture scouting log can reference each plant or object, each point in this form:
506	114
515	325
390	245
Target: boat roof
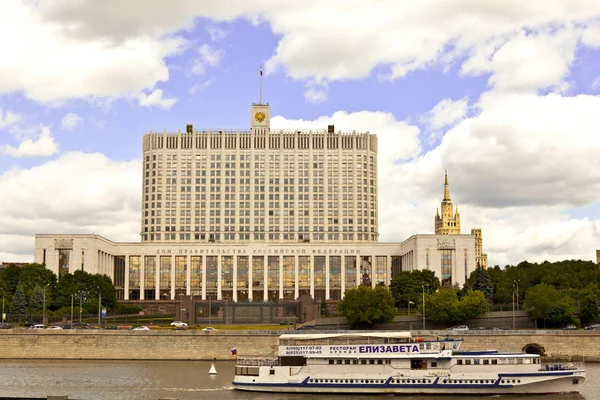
308	336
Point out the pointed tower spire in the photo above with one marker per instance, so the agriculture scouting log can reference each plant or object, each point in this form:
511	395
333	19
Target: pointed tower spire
446	189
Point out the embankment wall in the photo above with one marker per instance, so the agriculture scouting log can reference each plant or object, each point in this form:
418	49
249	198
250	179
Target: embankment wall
198	345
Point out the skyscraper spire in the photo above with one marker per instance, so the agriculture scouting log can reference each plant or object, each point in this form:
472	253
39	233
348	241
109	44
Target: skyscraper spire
446	189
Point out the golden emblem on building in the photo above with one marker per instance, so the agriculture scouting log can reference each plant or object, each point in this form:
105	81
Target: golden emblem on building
260	116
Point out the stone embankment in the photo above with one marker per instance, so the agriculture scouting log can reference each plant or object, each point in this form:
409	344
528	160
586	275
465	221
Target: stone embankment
199	345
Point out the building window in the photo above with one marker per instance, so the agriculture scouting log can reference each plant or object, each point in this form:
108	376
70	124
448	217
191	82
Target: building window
134	272
446	263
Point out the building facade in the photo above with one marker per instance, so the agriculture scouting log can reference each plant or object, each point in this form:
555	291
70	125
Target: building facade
259	215
259	185
481	258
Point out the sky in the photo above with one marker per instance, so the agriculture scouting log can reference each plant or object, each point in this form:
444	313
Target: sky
503	94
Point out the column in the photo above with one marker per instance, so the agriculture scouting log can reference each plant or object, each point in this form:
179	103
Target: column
343	276
266	276
142	277
358	266
172	294
250	277
296	278
203	277
235	257
157	278
327	296
388	273
312	276
126	294
281	274
219	277
188	281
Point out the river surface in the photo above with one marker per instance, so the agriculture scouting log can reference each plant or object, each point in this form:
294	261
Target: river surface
182	380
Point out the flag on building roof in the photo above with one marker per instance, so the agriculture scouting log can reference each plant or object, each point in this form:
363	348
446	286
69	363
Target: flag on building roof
233	351
261	70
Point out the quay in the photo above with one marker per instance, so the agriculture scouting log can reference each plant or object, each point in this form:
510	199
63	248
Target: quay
199	345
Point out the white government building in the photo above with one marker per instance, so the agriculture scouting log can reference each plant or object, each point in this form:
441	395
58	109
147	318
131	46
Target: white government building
260	215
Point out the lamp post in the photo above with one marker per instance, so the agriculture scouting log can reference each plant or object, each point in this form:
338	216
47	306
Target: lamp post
513	305
44	308
80	305
72	296
516	282
2	305
423	286
99	307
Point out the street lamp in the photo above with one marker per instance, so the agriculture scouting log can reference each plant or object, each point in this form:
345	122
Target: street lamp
516	282
2	305
80	305
44	309
72	296
513	305
423	286
99	307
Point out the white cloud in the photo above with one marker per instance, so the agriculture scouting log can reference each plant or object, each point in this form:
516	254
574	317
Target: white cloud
446	113
216	34
198	68
8	118
155	99
89	194
596	84
200	86
41	145
70	121
316	92
208	56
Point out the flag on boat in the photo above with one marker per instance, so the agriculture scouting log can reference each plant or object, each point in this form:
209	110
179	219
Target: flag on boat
261	70
233	351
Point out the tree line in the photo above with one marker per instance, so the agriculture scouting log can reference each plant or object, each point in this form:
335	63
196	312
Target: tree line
554	294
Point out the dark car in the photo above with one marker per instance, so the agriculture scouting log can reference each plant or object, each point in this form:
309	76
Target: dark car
593	327
306	328
81	325
28	324
5	325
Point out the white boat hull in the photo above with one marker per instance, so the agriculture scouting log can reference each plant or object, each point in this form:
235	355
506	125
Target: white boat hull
541	383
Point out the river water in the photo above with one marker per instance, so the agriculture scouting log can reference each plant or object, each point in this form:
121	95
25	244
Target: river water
182	380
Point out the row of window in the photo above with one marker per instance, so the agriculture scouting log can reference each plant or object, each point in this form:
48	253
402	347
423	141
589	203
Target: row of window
494	361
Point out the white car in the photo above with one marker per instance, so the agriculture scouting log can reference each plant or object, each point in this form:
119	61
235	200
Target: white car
179	324
141	328
209	329
53	327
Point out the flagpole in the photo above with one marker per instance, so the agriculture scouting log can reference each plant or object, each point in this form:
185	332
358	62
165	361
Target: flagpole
260	102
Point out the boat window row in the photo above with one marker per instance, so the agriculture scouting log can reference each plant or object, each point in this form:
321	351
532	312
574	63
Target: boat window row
494	361
364	381
478	381
361	361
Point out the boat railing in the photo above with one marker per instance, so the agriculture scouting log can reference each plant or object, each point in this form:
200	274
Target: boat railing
564	366
258	361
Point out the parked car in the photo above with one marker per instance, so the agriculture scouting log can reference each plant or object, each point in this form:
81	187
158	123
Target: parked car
54	327
38	326
593	327
28	324
306	328
209	329
569	328
179	324
5	325
81	325
458	328
141	328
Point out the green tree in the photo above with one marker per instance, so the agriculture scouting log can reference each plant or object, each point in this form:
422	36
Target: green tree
36	302
548	305
481	280
443	306
367	306
408	286
473	305
19	302
588	304
84	284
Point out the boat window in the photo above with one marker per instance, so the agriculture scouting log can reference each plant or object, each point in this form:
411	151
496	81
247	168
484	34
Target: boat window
459	362
486	362
476	362
346	361
272	372
494	362
354	361
519	361
379	361
434	364
468	362
371	361
338	361
331	361
363	361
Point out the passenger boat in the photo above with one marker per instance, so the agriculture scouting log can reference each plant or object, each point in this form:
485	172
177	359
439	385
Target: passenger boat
397	363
